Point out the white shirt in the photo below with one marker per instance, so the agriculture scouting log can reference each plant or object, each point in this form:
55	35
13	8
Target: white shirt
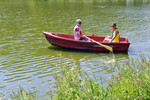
77	31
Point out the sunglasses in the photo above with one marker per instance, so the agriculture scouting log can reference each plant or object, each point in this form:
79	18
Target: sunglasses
80	23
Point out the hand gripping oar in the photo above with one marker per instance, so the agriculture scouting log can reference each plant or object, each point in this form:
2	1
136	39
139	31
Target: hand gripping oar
105	46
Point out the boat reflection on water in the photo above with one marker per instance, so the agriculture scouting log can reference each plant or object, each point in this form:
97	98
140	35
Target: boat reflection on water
80	54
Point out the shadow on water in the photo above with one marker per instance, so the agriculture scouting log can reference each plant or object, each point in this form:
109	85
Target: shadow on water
79	54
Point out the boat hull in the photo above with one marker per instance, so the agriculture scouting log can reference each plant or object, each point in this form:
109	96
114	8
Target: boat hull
67	41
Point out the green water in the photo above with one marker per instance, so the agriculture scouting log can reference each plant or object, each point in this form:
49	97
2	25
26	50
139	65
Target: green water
28	60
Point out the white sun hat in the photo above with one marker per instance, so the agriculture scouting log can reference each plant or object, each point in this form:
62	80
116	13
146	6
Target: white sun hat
79	21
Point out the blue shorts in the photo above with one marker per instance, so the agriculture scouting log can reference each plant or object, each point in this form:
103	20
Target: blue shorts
84	39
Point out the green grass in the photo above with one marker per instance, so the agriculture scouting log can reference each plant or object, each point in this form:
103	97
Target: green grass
131	83
23	95
72	84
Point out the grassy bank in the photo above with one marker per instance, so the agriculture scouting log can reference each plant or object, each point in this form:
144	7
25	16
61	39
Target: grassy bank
131	83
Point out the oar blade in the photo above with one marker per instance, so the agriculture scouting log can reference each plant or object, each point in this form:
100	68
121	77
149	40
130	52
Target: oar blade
108	47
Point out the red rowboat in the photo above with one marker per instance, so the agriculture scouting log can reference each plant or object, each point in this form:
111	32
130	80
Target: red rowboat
67	41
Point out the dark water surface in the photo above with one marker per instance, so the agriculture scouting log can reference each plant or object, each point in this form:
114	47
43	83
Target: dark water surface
28	60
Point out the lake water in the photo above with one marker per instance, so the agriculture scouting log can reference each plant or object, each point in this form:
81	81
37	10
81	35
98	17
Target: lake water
28	60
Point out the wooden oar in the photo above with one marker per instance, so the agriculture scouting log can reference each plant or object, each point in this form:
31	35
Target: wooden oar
105	46
89	33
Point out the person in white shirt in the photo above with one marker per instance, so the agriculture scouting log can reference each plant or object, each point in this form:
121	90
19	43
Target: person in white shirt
78	32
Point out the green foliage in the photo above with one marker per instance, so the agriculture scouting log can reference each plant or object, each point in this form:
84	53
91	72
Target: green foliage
23	95
133	81
75	85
